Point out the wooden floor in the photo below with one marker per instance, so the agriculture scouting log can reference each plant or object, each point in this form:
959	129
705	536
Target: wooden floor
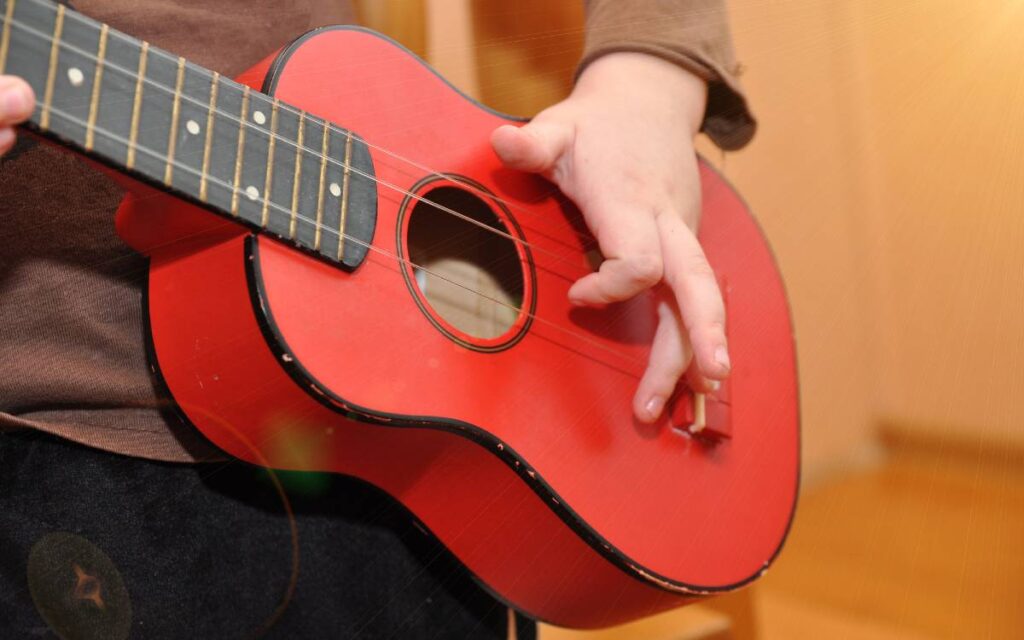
930	545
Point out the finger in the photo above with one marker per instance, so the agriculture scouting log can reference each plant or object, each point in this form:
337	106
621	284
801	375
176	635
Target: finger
16	100
691	278
670	357
6	140
534	147
633	262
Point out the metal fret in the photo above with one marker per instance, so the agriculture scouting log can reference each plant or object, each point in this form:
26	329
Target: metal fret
113	114
344	196
237	184
298	175
97	83
44	118
209	137
189	149
137	105
222	144
66	90
5	39
320	194
256	179
270	164
172	139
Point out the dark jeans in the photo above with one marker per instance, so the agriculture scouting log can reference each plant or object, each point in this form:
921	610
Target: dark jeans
96	545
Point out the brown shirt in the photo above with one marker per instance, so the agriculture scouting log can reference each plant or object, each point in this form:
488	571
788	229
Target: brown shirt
72	348
691	33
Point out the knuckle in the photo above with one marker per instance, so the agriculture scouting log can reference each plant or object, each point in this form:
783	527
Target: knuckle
697	267
674	369
714	328
664	375
633	179
645	269
665	201
561	172
706	329
670	376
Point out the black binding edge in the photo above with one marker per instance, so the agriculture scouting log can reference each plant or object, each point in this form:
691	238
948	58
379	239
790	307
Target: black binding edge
322	394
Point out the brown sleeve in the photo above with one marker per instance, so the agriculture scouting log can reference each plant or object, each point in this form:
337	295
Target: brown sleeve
691	33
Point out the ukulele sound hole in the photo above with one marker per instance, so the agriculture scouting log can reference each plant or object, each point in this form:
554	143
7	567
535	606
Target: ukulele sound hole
470	274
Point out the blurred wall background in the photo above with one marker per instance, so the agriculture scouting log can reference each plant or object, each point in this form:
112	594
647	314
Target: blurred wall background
889	175
944	106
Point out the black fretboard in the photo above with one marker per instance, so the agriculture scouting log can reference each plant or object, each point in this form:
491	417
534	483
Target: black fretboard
239	152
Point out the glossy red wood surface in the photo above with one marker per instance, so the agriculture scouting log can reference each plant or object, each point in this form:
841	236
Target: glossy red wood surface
526	461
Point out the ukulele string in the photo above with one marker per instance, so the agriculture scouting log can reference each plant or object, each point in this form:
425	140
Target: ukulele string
317	154
384	252
562	257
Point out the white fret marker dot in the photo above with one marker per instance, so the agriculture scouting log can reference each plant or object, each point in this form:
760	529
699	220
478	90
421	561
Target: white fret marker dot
259	118
252	192
75	76
193	127
335	189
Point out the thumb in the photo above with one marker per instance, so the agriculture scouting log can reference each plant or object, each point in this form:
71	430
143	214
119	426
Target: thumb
534	147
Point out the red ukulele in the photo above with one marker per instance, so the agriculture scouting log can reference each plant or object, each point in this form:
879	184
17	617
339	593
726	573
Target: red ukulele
323	321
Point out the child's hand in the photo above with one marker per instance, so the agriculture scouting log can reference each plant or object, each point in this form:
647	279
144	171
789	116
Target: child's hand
16	105
621	146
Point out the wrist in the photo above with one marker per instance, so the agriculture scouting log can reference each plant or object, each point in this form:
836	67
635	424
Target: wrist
647	81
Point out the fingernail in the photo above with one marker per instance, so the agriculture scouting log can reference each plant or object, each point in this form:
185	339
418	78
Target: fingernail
722	358
15	102
6	138
654	406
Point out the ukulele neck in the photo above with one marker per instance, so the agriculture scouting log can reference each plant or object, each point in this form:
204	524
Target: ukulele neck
190	131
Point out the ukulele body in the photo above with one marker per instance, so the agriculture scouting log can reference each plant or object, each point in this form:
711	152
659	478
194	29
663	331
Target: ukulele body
519	451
